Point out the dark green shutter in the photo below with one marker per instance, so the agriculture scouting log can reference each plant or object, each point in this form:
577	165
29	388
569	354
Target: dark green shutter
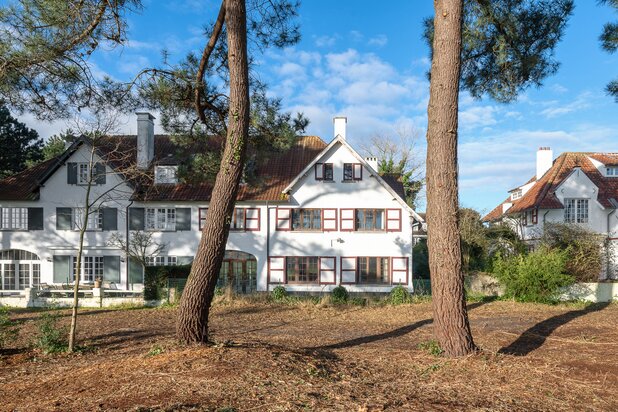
136	271
110	218
72	173
136	218
184	260
35	218
183	218
111	269
62	267
99	170
63	218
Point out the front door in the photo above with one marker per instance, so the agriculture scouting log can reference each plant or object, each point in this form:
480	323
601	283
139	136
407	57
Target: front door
240	275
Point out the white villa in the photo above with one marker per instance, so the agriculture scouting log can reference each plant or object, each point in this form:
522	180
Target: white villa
578	188
320	216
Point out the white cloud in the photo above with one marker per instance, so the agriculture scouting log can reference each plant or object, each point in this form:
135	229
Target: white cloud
556	108
325	41
380	40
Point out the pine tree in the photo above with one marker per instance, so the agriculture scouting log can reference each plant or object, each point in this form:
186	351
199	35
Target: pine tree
609	42
489	47
21	146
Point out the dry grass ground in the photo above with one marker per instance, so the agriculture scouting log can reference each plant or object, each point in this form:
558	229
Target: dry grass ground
306	357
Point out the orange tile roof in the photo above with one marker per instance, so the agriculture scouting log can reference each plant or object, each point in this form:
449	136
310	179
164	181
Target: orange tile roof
542	194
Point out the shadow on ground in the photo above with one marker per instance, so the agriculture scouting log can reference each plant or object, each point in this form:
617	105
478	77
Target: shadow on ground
534	337
395	333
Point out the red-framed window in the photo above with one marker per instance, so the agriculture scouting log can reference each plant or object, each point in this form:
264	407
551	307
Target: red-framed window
244	219
371	220
302	269
324	171
352	172
535	216
393	220
307	220
373	270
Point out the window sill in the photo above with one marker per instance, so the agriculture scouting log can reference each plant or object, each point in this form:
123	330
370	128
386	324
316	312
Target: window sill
351	181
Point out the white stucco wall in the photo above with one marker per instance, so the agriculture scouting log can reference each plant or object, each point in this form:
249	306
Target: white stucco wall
308	193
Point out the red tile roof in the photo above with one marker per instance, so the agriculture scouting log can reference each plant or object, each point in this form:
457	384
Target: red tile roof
542	194
25	185
275	173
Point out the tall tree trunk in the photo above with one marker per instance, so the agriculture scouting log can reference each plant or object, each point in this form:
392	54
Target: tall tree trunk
192	326
451	325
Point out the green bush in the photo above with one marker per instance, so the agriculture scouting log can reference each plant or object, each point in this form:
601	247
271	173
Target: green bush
279	294
536	277
156	277
8	329
585	251
399	295
51	338
340	295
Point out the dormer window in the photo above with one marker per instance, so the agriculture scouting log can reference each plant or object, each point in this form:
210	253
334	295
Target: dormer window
612	171
516	194
324	171
352	172
166	174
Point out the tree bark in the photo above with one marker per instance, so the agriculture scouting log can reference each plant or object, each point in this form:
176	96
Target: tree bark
192	326
451	326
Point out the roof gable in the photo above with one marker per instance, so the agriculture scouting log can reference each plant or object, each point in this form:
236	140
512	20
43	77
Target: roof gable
397	194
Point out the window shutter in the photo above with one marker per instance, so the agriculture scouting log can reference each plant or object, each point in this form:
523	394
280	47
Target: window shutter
136	271
63	218
100	173
111	269
136	218
329	220
319	171
252	219
399	269
328	270
62	265
184	260
348	270
183	218
35	218
284	219
110	218
346	220
276	269
393	220
357	171
72	173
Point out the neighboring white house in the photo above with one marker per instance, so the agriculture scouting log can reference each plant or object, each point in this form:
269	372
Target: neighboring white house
578	188
320	216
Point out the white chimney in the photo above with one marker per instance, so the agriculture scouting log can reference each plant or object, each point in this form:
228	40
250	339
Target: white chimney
145	139
544	161
373	162
340	124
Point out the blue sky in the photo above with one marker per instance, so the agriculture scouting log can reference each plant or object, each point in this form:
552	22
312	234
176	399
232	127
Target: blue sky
367	61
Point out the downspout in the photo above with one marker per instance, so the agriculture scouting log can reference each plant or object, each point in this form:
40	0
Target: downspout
609	215
267	245
126	223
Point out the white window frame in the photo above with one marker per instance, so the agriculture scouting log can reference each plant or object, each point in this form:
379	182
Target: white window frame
160	219
95	220
575	211
83	173
166	174
14	218
160	260
92	268
611	171
517	194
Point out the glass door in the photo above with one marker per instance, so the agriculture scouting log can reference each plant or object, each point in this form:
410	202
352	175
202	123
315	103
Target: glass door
9	281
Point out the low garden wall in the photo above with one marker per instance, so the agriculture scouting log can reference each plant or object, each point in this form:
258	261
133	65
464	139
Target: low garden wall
592	292
91	298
